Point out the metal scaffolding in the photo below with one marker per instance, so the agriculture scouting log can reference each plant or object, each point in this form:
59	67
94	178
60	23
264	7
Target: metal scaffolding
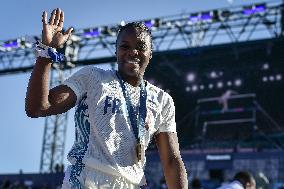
97	44
53	144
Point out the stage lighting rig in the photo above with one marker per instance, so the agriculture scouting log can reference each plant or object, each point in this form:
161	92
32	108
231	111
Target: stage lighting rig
92	32
200	17
254	9
204	17
109	31
19	43
207	16
11	44
224	14
153	23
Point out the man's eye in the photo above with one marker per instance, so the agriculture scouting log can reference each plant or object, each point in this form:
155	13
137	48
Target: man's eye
142	47
124	46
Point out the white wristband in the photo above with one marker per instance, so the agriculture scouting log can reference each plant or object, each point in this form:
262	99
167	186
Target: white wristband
44	51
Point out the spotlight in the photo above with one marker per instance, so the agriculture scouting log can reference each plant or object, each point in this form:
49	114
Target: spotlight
194	17
149	23
92	32
220	84
265	66
187	89
271	78
152	24
238	82
257	8
210	86
194	88
260	7
201	87
278	77
264	79
190	77
11	44
213	74
207	16
122	23
229	83
169	24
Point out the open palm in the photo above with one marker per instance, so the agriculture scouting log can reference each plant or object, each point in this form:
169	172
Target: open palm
52	34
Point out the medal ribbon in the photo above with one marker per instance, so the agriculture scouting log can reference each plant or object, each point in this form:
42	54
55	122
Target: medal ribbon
137	121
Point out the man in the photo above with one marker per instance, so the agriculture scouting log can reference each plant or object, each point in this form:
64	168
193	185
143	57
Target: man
242	180
117	113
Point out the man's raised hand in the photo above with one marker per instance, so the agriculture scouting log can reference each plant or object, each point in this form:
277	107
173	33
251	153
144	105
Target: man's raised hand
52	34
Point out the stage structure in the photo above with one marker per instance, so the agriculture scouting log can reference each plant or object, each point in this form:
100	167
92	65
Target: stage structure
237	117
96	45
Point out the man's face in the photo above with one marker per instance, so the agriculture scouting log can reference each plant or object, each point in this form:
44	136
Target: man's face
133	52
251	185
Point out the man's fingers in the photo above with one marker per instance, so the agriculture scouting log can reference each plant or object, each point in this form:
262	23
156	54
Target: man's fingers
68	32
61	20
57	17
52	17
44	18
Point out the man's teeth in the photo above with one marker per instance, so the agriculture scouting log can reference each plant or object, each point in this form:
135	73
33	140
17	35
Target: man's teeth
133	61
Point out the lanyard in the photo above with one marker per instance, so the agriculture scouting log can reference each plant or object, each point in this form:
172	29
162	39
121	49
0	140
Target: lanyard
137	121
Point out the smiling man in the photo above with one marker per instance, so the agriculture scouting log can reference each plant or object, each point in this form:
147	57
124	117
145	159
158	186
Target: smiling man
242	180
117	112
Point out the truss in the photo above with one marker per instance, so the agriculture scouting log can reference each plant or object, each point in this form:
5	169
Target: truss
97	45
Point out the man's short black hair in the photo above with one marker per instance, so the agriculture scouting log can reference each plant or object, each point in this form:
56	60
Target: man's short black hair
244	177
139	26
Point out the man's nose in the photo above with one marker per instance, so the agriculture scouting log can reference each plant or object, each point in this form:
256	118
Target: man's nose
133	52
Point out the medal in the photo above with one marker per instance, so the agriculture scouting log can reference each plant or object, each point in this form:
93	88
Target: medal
139	151
137	119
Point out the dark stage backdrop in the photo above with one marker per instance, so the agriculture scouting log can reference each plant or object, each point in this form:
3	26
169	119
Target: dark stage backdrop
249	67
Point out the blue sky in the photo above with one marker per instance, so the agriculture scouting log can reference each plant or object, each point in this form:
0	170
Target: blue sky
20	136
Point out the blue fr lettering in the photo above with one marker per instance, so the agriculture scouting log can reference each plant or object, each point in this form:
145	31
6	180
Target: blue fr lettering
107	104
116	105
112	102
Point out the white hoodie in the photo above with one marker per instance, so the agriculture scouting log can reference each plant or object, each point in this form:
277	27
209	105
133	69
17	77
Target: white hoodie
233	185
